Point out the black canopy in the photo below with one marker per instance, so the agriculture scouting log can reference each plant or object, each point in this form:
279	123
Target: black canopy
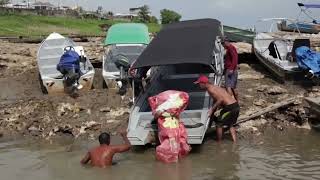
190	41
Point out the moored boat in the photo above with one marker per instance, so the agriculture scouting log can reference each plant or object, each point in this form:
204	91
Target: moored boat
177	56
123	45
49	54
276	51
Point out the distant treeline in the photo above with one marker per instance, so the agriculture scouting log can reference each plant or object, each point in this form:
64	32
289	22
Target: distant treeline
40	12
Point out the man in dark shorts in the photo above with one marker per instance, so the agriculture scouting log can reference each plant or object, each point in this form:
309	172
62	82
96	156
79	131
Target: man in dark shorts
102	155
230	107
231	66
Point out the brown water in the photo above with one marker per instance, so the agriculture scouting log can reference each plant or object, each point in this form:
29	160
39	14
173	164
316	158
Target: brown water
290	154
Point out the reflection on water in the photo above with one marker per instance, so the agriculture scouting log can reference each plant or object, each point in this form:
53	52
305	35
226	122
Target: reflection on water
294	154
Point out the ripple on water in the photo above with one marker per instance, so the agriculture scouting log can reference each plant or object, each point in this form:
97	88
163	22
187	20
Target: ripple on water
289	155
285	159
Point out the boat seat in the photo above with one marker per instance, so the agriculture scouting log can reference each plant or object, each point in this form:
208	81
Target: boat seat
298	43
273	50
278	49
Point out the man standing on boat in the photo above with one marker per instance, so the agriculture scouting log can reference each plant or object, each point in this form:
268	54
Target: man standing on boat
230	67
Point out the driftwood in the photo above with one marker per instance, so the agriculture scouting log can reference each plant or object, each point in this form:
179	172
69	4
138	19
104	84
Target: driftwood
260	112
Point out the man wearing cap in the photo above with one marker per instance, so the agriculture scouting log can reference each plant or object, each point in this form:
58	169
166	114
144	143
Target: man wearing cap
231	66
230	107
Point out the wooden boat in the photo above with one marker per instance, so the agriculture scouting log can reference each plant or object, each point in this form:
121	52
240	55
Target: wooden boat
314	106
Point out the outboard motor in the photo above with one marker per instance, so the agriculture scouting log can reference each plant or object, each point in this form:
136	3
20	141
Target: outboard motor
309	61
83	59
123	64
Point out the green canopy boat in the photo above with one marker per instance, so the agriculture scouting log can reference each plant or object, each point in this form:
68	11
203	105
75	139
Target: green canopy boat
127	33
123	45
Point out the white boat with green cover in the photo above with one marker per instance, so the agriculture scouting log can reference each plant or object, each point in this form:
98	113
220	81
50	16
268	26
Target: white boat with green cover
124	42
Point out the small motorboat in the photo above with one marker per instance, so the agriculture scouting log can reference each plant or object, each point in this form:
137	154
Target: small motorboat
123	45
276	51
177	56
312	27
49	54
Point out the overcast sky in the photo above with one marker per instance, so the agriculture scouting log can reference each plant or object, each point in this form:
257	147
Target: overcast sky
240	13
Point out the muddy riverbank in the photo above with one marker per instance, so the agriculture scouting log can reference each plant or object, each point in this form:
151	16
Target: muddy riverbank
24	110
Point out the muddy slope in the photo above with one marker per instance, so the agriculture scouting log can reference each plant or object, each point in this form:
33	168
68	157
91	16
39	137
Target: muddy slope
24	110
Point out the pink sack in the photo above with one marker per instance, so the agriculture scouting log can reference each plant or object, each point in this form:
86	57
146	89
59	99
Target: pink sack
167	107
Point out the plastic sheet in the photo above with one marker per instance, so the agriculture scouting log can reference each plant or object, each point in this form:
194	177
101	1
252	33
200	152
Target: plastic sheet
308	60
167	107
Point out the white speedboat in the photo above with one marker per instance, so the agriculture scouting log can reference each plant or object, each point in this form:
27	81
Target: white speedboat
49	53
276	50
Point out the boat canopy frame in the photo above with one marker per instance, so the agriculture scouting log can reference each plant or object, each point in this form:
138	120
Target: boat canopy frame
275	21
304	7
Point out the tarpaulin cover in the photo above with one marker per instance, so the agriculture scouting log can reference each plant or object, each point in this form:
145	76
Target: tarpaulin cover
70	60
185	42
127	33
308	59
166	107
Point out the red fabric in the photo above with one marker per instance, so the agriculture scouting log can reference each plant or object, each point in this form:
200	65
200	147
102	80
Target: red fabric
231	61
173	139
202	79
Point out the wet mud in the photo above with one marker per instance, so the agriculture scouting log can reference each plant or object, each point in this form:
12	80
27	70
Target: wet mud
24	110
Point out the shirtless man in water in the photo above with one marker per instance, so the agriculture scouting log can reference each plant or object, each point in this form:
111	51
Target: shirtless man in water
102	155
230	108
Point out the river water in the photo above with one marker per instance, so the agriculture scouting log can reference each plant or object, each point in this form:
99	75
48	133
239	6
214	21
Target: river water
288	154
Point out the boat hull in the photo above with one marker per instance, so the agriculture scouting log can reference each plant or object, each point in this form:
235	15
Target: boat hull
303	27
278	72
140	128
49	53
55	86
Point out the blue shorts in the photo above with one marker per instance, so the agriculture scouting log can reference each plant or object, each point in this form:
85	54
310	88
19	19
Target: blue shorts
231	79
